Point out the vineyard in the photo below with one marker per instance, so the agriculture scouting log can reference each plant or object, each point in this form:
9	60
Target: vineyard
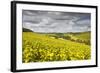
43	47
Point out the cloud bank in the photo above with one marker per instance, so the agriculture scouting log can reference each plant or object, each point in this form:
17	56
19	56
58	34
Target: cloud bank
52	21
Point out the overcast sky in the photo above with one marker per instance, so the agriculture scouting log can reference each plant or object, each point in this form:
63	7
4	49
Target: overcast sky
51	21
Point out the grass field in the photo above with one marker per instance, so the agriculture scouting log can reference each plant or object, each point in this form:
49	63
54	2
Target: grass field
43	47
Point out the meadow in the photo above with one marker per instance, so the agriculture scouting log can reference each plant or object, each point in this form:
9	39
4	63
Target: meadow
45	47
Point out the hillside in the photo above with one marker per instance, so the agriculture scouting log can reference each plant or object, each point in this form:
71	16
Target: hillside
42	48
81	37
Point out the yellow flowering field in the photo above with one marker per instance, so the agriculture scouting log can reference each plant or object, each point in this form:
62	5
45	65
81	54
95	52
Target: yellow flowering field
42	48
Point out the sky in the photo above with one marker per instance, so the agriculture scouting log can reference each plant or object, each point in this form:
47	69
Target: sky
56	22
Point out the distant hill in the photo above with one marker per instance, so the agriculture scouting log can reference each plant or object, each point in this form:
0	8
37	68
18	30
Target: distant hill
27	30
80	37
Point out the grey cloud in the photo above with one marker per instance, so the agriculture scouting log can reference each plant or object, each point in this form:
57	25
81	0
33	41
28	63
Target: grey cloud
84	22
50	21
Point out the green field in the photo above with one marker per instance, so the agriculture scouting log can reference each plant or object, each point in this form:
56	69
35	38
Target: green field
43	47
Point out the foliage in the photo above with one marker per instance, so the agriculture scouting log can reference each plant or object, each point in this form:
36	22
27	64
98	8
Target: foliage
27	30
